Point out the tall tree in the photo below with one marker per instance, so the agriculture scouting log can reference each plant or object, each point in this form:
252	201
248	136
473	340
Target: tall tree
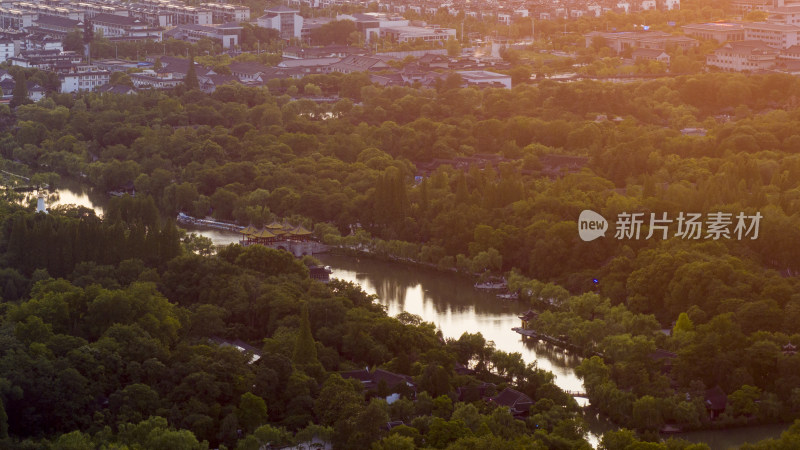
3	421
191	76
305	349
20	93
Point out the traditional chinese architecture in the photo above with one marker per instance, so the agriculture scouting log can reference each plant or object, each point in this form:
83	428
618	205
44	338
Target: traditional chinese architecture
384	382
664	358
527	317
297	240
716	401
516	401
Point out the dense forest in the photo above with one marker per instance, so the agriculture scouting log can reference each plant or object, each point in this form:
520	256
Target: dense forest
458	178
119	351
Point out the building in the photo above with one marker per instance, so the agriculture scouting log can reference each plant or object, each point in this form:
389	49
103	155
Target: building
621	41
409	33
226	34
125	28
83	78
745	6
55	26
116	89
42	41
41	8
309	66
716	401
248	71
650	54
223	12
8	49
516	401
50	60
286	20
367	21
355	63
152	80
330	51
528	317
721	32
786	15
485	78
90	10
774	35
167	13
117	65
35	92
743	56
386	381
15	19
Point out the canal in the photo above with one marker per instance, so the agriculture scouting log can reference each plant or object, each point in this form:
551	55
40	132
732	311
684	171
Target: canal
450	301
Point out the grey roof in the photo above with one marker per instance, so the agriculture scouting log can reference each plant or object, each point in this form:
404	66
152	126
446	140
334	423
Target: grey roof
115	20
281	9
248	68
510	397
57	21
116	89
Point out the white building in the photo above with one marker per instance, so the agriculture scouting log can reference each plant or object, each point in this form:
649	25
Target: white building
223	13
90	10
485	78
41	8
286	20
410	33
124	28
86	78
648	5
176	13
8	49
16	18
774	35
150	79
227	34
743	56
787	15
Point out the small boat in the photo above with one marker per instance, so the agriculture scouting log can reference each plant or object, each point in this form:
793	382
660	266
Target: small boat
508	296
492	284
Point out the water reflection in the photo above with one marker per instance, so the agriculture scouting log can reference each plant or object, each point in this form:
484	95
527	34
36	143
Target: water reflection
455	306
70	192
452	304
446	299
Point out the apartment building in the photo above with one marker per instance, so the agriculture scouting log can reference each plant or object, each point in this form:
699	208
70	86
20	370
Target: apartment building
223	13
774	35
286	20
744	56
83	78
16	19
718	31
640	39
125	28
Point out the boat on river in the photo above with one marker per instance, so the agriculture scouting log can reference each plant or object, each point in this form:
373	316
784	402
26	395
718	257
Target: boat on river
493	284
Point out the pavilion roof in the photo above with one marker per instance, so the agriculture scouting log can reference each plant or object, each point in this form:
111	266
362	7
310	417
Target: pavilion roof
300	231
275	225
265	233
248	230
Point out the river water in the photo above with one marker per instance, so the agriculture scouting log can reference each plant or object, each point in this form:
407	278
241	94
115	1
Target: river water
450	301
